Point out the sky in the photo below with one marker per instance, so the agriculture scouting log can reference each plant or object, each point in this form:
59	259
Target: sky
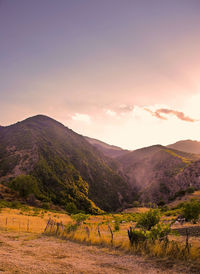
126	72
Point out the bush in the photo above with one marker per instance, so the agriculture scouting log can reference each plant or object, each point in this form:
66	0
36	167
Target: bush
79	218
160	231
136	236
16	204
46	205
148	219
161	203
117	224
190	190
71	208
191	211
136	204
71	228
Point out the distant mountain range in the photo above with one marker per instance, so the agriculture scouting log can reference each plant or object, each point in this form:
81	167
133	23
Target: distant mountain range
157	173
64	168
107	150
187	146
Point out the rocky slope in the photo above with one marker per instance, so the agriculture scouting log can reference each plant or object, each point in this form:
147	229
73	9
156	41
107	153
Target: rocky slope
158	172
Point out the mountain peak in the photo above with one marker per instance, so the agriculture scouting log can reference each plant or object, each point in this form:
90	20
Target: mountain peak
40	117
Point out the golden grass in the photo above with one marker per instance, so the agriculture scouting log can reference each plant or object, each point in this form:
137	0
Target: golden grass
136	210
21	221
17	220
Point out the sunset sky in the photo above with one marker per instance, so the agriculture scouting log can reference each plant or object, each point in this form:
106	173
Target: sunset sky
126	72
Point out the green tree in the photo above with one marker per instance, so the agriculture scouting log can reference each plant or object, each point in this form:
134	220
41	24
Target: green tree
25	185
149	219
191	211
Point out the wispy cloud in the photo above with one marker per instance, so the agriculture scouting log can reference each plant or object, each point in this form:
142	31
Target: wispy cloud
110	112
156	114
81	117
179	114
125	108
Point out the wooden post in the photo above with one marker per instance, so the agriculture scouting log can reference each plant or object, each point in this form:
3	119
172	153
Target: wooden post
6	223
111	234
61	224
51	224
99	230
87	231
187	241
28	225
57	229
48	223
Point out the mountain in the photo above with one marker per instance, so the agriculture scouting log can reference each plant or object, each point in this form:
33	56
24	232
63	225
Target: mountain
189	146
157	173
107	150
64	167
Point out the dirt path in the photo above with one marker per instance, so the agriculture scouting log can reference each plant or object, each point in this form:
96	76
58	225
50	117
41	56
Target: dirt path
28	253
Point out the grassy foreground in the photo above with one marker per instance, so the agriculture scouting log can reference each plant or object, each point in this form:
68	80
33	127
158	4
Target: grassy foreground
105	230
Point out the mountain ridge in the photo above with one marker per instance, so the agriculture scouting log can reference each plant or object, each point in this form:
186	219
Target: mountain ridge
62	161
190	146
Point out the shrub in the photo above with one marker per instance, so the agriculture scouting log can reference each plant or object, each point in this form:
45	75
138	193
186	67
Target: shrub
71	208
149	219
136	204
16	204
46	205
117	224
160	231
71	227
190	190
136	236
191	211
161	203
79	218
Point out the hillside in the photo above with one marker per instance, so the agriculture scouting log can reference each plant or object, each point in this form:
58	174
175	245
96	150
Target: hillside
65	169
158	172
189	146
106	149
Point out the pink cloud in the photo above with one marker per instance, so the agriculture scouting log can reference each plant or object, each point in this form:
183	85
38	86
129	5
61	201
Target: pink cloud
180	115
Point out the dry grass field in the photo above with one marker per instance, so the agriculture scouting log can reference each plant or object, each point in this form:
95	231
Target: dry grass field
27	253
95	245
29	220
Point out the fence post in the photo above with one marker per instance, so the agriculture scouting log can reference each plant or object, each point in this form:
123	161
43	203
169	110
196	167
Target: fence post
99	233
6	223
61	224
187	241
87	231
111	234
28	225
57	229
51	224
48	223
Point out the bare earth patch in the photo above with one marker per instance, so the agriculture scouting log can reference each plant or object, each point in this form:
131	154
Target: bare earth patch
29	253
